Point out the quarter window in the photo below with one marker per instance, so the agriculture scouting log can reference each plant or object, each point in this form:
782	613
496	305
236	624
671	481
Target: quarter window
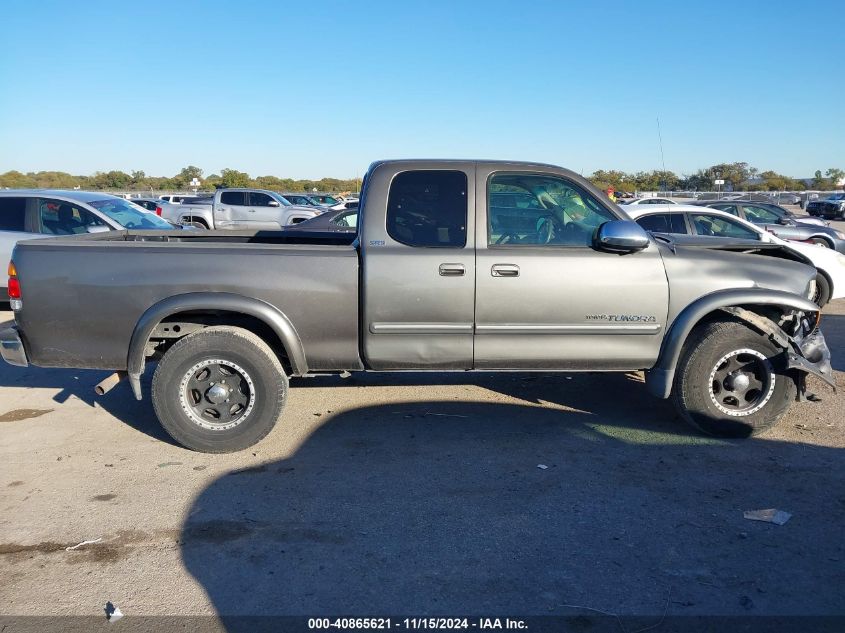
428	208
538	210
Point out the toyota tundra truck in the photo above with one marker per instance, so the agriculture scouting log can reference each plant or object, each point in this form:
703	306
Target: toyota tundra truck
457	266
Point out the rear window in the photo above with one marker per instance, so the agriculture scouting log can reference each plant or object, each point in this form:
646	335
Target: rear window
428	208
12	214
232	197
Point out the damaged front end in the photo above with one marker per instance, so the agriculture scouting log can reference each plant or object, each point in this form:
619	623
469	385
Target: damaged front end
804	345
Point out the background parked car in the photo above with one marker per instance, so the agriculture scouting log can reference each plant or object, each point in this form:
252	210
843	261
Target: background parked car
698	225
640	201
245	209
786	213
784	227
326	199
341	221
832	207
304	201
40	213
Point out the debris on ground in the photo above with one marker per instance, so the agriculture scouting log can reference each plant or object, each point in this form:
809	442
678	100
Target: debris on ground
165	464
82	544
778	517
113	613
542	466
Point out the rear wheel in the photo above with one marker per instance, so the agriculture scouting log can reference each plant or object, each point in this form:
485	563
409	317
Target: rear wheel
820	241
219	390
728	382
197	223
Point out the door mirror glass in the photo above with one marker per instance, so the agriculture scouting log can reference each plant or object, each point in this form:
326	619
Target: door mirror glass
273	203
621	236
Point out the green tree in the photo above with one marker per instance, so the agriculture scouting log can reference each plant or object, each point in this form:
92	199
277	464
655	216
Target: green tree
234	178
836	176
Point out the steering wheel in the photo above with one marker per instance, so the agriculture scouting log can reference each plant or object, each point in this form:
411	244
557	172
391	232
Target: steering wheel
506	237
546	231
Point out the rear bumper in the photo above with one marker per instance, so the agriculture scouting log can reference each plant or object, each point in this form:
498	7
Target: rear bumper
11	347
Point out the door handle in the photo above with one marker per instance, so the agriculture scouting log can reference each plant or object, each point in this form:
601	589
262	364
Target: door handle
452	270
505	270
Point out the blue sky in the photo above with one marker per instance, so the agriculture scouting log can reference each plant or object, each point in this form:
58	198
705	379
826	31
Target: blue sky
309	89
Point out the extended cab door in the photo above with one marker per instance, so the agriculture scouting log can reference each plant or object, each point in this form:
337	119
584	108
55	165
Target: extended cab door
545	297
230	210
418	266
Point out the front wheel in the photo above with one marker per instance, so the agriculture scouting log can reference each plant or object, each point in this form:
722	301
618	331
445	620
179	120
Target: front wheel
219	390
728	382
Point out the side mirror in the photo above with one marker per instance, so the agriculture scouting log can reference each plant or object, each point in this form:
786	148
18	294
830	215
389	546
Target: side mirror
621	236
273	203
786	222
96	228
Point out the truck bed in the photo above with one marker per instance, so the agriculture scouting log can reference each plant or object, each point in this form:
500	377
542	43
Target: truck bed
94	282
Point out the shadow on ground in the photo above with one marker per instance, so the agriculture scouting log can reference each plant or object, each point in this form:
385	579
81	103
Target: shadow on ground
455	507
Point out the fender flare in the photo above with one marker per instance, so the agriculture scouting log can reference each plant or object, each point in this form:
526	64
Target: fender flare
659	378
229	302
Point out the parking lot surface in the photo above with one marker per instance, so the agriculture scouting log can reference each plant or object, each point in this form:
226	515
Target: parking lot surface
420	494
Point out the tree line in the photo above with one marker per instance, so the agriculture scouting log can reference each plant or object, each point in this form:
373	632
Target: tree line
737	176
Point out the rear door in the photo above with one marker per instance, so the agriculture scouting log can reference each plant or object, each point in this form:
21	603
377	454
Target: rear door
418	268
545	298
232	211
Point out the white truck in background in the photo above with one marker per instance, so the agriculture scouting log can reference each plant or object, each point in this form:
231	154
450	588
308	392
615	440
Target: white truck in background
243	209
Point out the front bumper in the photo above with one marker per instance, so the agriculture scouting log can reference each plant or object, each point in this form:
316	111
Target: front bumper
11	347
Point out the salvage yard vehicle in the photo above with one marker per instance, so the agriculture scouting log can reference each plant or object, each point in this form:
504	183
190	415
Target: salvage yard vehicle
441	276
247	209
690	225
27	214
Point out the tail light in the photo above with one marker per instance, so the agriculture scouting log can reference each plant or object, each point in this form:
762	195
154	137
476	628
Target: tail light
14	287
158	210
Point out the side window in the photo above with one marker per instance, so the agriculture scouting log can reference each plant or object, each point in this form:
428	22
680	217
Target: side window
664	223
760	215
721	227
58	217
347	219
13	214
537	209
428	208
727	208
258	199
235	198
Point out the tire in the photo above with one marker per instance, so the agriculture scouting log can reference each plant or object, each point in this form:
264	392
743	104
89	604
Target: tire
823	291
208	415
820	241
197	223
704	394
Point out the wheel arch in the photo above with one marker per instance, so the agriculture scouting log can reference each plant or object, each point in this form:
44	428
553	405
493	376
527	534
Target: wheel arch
659	378
221	303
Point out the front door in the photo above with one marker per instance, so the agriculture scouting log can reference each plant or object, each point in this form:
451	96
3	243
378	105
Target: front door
419	269
545	298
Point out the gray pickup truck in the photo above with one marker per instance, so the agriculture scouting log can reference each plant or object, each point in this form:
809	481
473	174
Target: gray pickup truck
457	265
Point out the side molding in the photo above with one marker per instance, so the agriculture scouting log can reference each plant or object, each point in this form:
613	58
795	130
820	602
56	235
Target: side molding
659	378
229	302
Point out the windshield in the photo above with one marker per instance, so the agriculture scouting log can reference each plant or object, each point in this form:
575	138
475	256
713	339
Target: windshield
129	215
837	196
